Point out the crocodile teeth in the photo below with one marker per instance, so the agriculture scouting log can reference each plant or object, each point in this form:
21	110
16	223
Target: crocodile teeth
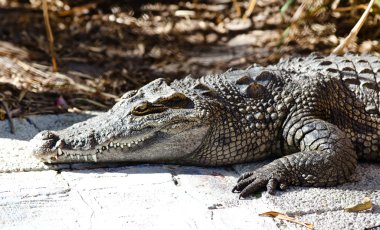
78	157
129	145
59	152
94	158
85	157
59	143
71	157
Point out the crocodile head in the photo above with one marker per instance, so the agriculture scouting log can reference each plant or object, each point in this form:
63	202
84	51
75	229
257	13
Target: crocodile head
216	120
154	124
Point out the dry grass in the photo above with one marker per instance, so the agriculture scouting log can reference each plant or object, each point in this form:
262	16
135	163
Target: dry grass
107	48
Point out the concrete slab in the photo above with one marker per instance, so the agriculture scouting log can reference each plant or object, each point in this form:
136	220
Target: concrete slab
15	154
157	196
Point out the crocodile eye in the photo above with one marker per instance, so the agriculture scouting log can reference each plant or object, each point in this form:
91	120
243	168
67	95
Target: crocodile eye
174	101
146	107
142	107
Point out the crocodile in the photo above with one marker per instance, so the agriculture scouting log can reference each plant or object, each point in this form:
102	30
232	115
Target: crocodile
316	116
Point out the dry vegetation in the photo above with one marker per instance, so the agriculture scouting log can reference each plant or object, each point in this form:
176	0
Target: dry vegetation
105	48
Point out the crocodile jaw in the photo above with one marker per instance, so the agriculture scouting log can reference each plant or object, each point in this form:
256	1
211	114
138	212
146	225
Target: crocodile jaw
155	123
164	145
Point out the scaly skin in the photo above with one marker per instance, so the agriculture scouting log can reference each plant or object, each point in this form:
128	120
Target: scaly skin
317	115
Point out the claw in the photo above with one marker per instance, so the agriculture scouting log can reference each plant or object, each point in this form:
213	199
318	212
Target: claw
271	186
244	183
245	176
283	186
253	187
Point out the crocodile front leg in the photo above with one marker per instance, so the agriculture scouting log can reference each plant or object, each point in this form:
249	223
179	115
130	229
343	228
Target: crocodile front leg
326	157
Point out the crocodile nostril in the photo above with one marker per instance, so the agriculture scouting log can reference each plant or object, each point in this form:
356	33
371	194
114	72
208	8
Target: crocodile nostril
47	135
48	143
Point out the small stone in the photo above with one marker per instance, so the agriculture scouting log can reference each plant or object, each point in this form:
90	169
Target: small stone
238	25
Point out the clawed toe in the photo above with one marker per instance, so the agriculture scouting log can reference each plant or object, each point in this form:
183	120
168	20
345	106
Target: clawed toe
245	176
252	182
252	188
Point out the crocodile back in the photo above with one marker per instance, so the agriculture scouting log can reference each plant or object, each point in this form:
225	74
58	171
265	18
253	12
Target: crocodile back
359	74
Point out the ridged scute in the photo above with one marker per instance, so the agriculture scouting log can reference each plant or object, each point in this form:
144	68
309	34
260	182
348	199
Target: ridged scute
359	74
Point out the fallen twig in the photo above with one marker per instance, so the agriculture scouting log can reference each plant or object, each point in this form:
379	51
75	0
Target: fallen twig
49	35
9	115
95	103
250	9
350	8
297	15
48	76
339	50
237	8
282	216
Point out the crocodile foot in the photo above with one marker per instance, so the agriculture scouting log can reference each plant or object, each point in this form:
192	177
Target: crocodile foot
268	176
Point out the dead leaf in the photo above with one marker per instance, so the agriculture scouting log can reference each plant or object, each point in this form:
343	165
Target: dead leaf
364	205
286	217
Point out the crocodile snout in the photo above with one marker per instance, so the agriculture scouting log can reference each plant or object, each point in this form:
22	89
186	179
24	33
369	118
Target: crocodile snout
46	145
